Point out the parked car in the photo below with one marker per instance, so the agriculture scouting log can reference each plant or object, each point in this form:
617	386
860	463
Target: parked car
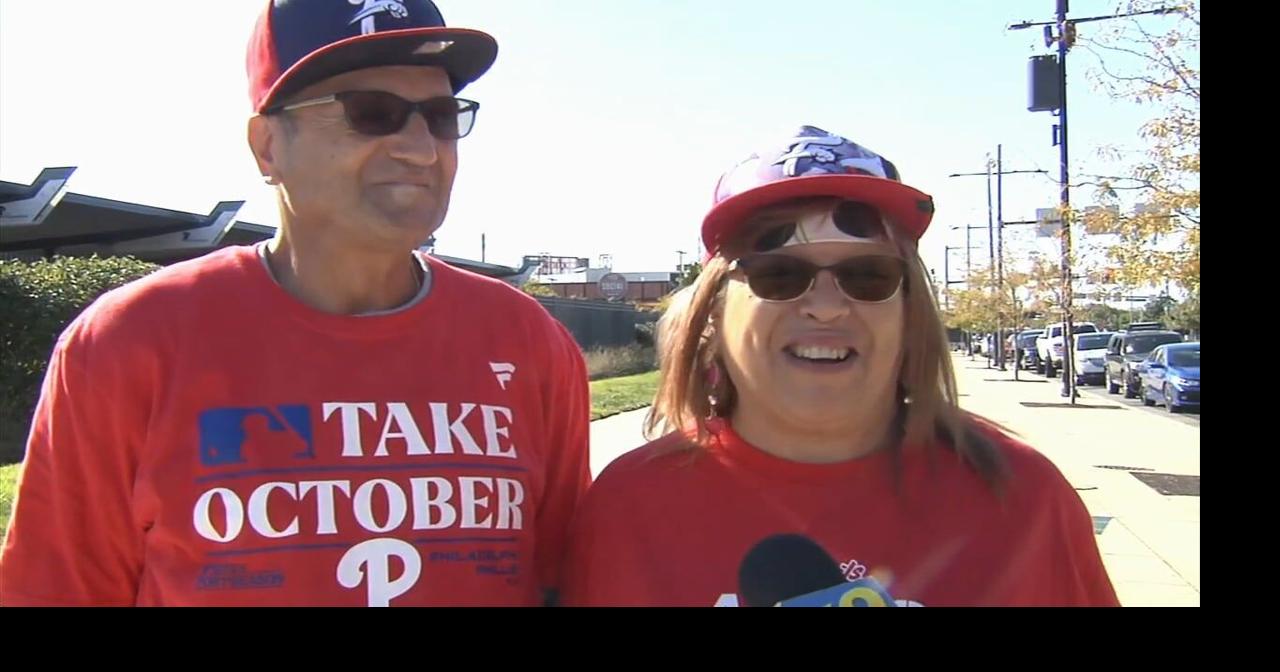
1049	345
1091	357
1026	346
1125	351
1171	375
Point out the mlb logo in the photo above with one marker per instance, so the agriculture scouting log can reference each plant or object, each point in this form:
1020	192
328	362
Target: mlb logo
225	432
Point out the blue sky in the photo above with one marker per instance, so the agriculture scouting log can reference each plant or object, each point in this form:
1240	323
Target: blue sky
603	126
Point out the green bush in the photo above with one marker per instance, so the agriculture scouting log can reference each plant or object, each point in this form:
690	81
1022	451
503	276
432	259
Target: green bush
622	361
37	301
646	333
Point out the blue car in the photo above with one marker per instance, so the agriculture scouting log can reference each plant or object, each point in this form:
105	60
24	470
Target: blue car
1171	375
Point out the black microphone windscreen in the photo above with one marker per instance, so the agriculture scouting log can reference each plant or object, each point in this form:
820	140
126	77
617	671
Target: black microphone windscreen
784	566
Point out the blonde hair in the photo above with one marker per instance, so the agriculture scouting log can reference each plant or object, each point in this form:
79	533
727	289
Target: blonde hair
688	354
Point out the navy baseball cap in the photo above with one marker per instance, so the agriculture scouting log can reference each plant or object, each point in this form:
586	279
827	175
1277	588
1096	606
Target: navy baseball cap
297	43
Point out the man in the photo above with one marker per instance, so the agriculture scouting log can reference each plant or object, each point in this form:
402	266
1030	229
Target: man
332	418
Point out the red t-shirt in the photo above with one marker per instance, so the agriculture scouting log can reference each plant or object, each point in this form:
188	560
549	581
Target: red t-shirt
205	439
665	526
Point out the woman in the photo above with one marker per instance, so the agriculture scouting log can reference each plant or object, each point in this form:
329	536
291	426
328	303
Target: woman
807	391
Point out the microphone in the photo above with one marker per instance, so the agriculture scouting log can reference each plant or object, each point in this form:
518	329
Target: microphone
791	570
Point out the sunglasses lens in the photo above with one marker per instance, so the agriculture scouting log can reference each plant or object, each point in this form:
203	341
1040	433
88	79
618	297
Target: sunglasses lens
449	118
774	238
870	278
858	219
376	112
778	277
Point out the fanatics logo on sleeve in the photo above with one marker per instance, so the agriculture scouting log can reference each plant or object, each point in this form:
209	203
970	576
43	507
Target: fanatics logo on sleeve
503	372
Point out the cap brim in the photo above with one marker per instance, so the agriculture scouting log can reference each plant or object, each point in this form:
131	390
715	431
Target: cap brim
470	55
910	209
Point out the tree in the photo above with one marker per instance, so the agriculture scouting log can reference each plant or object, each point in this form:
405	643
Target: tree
970	310
688	274
1105	317
1157	309
1158	239
537	289
1044	283
984	305
1186	315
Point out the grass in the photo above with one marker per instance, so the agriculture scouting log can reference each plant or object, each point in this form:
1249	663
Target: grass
627	393
8	482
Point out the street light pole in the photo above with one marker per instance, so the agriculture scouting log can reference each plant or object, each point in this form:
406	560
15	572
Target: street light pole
968	254
1068	357
1000	251
946	278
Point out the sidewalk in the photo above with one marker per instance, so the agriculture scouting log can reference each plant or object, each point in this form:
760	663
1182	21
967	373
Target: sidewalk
615	435
1150	541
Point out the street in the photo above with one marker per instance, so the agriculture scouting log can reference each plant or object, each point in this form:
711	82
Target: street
1188	417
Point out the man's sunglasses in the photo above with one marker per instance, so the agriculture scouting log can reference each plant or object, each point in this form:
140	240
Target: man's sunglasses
380	113
781	277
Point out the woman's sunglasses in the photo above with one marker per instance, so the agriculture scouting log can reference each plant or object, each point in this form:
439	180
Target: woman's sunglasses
781	277
379	113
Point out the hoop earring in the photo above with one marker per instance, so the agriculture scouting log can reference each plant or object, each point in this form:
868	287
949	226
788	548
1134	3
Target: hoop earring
715	386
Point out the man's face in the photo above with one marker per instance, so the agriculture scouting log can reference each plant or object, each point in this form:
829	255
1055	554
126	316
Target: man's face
387	191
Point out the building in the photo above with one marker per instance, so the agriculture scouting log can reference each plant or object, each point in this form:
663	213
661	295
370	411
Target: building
603	283
44	219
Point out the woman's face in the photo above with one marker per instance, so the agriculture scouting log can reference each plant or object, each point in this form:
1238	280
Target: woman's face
823	360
